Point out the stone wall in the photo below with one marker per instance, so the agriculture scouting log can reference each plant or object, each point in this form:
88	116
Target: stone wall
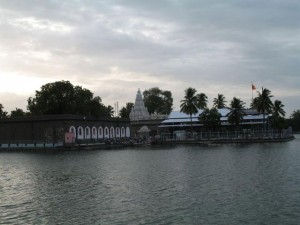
53	128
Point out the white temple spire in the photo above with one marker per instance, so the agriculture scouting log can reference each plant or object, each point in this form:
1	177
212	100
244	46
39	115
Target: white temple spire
139	111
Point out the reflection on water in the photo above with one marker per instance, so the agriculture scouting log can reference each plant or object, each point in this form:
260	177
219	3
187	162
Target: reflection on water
227	184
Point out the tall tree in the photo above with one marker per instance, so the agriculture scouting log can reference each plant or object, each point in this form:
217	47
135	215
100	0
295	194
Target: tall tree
3	114
192	102
263	103
236	115
219	102
158	101
201	101
61	97
278	114
110	110
125	110
53	98
277	109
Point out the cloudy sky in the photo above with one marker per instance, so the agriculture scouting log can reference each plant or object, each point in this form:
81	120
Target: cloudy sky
114	47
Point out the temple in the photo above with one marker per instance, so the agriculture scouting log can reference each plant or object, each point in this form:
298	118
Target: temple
139	111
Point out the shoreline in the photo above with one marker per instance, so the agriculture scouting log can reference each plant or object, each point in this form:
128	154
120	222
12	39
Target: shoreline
103	146
233	140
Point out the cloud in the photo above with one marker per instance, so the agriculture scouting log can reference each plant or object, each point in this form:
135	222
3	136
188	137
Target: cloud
115	47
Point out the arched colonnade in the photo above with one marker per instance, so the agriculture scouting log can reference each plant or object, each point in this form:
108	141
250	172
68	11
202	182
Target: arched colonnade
96	133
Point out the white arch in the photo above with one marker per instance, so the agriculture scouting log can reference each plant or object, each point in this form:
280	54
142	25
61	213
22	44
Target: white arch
80	134
94	133
122	132
112	132
87	132
100	132
106	132
127	132
73	130
118	135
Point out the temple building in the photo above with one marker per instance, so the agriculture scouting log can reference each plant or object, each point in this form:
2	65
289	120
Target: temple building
179	120
57	130
139	111
142	123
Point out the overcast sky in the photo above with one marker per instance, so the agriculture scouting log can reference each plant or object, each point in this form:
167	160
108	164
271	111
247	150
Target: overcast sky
114	47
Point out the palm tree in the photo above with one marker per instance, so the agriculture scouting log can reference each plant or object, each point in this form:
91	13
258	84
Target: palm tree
236	115
262	103
201	101
219	102
277	109
192	102
278	114
110	111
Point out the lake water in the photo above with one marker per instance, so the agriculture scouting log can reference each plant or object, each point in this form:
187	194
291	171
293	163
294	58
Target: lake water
226	184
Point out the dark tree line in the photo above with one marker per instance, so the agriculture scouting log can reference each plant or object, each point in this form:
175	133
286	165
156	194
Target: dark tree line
61	97
14	113
294	120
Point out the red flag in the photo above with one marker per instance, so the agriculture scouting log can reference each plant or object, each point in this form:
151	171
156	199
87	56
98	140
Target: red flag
253	87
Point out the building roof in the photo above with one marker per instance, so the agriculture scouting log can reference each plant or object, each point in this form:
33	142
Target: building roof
180	117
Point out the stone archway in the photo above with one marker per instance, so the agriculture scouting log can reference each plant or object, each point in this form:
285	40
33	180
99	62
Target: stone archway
127	132
80	134
73	130
100	132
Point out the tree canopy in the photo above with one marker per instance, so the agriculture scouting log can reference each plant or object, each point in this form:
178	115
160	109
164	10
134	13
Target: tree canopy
278	114
262	103
192	102
17	113
61	97
158	101
219	102
236	115
294	120
210	118
201	102
277	109
125	110
3	114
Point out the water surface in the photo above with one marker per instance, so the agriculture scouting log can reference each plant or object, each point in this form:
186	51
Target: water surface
225	184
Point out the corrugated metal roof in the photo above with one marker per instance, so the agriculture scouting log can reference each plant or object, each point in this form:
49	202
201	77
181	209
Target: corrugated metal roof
180	117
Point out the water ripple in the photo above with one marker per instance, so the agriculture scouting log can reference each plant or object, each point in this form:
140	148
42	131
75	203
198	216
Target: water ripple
230	184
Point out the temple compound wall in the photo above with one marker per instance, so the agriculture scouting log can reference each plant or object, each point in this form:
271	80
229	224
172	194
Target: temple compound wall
54	128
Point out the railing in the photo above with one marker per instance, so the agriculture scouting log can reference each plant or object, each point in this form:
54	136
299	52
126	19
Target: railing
229	135
30	144
27	144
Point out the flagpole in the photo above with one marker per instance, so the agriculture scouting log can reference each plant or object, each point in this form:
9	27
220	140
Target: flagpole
252	90
253	87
